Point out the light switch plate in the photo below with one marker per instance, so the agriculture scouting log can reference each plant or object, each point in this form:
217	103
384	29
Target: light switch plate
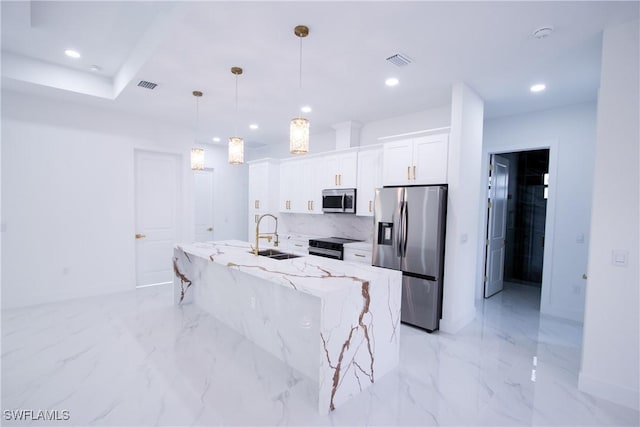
619	258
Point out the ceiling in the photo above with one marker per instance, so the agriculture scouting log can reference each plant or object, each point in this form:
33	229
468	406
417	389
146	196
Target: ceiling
186	46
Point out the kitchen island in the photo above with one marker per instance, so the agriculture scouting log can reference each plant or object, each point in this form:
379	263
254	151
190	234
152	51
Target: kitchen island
335	322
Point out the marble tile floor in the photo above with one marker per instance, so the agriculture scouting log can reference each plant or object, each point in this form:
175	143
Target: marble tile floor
133	359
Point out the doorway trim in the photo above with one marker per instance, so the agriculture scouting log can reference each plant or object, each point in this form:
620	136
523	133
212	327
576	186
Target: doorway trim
547	263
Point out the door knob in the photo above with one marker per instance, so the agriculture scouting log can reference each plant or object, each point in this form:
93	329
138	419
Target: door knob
140	236
210	229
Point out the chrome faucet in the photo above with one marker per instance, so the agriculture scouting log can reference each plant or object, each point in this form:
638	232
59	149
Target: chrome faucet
267	236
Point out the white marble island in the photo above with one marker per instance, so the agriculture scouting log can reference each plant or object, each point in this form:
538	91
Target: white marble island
335	322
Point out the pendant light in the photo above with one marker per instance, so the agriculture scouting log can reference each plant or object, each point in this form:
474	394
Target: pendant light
197	154
236	144
299	126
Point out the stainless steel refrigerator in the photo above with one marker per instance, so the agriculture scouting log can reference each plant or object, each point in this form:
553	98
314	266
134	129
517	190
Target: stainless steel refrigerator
409	229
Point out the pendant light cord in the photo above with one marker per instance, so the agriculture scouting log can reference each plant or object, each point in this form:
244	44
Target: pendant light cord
300	62
236	126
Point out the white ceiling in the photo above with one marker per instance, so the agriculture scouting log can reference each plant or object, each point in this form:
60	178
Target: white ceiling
186	46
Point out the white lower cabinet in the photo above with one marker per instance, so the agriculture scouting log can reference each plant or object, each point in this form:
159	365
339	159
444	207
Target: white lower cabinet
360	255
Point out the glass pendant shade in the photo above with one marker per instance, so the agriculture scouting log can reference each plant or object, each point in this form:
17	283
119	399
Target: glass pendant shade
197	159
299	136
236	150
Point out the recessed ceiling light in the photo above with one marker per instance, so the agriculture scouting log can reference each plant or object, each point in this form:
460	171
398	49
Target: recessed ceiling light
72	53
95	68
216	139
253	126
539	87
305	109
392	81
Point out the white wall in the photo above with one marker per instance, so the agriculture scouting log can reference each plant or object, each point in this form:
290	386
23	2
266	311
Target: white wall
67	197
422	120
569	133
369	133
464	208
610	352
318	143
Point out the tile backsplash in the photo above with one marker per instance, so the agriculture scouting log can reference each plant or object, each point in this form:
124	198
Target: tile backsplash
328	225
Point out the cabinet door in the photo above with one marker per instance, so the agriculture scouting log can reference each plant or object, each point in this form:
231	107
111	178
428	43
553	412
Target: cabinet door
369	178
286	186
347	166
311	185
397	163
430	159
258	186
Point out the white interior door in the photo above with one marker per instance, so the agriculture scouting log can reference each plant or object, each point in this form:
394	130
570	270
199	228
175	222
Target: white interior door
203	199
497	227
157	183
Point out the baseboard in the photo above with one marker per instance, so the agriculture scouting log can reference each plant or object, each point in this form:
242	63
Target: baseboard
453	326
612	392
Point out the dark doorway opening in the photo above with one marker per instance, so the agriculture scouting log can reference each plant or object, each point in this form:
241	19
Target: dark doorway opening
526	216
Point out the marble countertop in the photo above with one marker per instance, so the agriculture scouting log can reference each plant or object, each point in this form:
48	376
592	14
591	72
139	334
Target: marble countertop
314	275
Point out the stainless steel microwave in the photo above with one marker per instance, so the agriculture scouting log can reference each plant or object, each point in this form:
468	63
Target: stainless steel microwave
339	200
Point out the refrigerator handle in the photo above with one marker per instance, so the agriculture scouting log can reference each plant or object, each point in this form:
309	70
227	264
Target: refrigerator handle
399	235
405	228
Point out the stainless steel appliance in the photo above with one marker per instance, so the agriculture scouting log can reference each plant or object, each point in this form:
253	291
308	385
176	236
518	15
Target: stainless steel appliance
409	228
330	247
341	200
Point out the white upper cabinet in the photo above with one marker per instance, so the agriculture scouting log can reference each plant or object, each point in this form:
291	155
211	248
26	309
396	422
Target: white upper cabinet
397	162
430	155
263	190
340	170
369	178
421	160
301	186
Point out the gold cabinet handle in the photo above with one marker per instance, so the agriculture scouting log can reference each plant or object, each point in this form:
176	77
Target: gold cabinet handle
256	204
312	205
140	236
340	179
255	218
370	205
335	179
414	172
408	173
210	229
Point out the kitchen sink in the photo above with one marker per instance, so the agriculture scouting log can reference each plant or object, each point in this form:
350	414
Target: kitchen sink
274	254
284	256
269	252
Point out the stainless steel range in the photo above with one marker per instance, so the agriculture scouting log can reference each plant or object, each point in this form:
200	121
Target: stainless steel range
330	247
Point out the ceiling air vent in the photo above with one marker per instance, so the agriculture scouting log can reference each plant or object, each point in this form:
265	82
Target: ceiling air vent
399	60
147	85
